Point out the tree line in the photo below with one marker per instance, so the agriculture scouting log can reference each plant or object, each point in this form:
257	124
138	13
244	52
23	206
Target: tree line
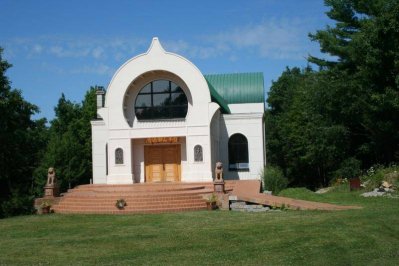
342	118
329	120
29	147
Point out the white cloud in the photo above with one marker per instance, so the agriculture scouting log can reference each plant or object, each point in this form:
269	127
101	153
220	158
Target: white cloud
99	69
194	51
274	38
65	47
67	51
98	52
37	49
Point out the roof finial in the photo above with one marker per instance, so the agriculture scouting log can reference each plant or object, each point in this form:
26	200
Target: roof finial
155	46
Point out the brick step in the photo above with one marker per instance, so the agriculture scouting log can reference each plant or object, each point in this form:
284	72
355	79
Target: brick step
147	187
131	212
154	185
113	201
143	189
129	200
133	189
132	197
127	208
102	201
129	203
127	194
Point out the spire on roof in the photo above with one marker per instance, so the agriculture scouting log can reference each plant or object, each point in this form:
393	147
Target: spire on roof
155	46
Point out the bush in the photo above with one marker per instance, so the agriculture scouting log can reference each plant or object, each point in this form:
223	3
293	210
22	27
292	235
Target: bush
376	174
17	205
273	179
348	169
296	192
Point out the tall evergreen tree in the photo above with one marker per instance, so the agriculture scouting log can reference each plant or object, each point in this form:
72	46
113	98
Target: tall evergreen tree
345	116
365	42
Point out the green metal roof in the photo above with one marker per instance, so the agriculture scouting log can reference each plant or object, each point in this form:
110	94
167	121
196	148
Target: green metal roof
218	99
236	88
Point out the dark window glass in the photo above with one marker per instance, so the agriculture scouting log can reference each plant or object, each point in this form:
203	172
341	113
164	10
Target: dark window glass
143	100
198	157
160	86
118	156
146	89
178	98
175	88
161	99
238	152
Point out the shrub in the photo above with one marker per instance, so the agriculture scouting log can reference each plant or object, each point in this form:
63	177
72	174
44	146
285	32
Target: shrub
273	179
17	204
377	173
348	169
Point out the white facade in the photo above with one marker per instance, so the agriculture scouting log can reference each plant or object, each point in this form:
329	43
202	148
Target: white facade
204	124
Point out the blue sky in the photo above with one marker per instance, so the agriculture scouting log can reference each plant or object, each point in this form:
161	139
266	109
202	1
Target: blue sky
67	46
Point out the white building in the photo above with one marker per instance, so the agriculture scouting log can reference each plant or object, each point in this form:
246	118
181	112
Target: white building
163	120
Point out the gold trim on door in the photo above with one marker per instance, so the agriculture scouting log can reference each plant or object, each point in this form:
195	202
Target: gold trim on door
162	163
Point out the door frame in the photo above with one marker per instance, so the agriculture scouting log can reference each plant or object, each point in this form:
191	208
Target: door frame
178	149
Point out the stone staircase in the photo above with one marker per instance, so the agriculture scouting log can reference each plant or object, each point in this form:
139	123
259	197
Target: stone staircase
140	198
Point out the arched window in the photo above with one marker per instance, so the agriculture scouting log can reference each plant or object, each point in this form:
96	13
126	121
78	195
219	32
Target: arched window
238	152
118	156
198	157
161	99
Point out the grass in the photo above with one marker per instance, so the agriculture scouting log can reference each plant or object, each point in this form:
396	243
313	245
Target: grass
369	236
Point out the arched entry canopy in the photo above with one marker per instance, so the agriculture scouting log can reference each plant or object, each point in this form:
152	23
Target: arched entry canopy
155	59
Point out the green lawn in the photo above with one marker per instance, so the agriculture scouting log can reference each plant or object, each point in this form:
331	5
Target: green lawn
356	237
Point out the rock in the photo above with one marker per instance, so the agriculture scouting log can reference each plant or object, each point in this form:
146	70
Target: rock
385	184
323	190
242	206
374	193
232	197
364	184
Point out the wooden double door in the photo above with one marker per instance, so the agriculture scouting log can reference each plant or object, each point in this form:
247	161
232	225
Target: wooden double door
162	163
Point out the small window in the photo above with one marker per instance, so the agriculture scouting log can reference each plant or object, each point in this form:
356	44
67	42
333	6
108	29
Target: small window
238	153
118	156
198	157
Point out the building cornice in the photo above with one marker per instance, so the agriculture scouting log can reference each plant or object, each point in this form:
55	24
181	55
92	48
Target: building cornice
242	116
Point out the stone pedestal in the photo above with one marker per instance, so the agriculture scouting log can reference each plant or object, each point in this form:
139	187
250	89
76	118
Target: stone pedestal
50	191
218	187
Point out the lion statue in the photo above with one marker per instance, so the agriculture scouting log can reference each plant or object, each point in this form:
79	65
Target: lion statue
219	172
51	177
